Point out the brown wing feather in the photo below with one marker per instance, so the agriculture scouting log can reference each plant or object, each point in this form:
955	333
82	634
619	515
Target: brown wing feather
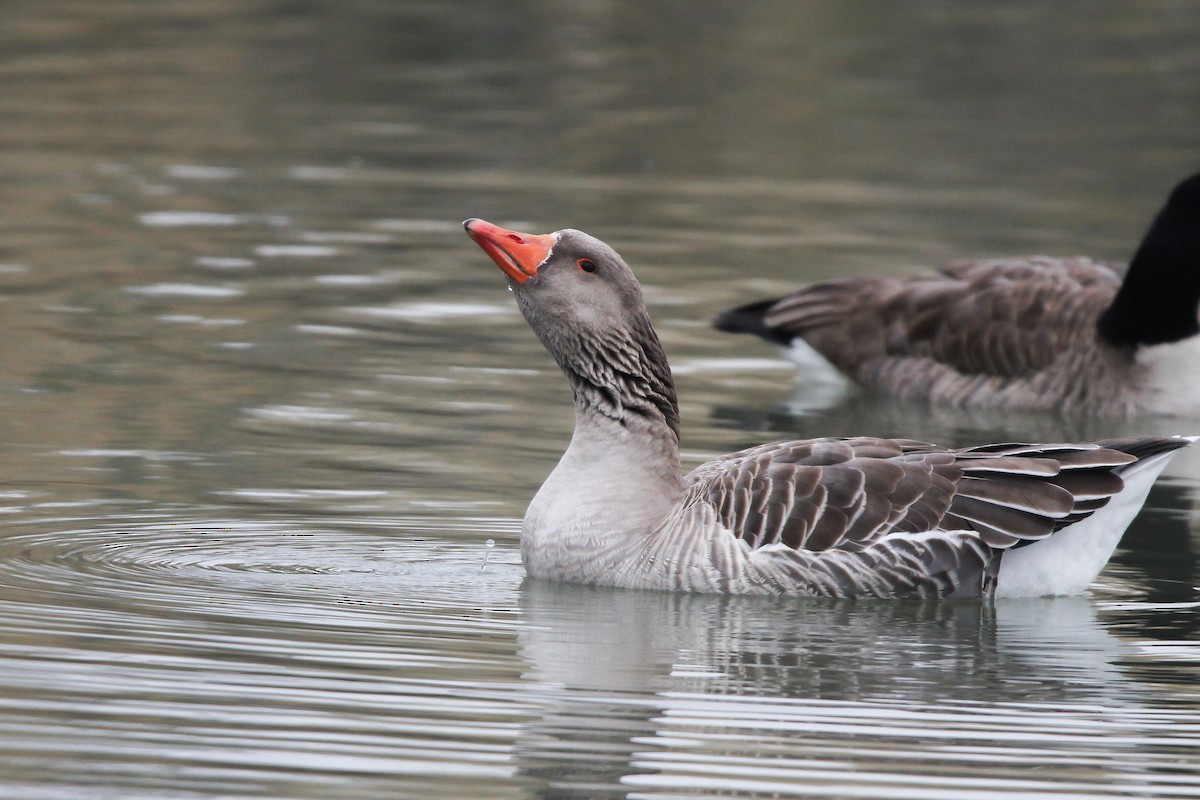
1004	318
823	493
847	494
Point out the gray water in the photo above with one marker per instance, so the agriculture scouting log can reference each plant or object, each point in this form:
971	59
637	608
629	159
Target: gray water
263	406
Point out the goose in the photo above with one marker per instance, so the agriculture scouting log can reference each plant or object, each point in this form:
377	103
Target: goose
1064	334
838	517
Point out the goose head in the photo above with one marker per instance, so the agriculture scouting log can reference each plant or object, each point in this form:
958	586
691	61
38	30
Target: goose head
586	307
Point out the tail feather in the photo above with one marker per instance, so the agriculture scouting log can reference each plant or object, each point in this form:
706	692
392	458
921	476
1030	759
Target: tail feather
1145	447
752	318
1070	559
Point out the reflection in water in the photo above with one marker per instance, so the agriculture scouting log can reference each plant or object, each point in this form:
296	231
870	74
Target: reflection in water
675	692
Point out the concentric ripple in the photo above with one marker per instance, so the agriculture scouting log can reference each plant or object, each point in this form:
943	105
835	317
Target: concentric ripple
136	556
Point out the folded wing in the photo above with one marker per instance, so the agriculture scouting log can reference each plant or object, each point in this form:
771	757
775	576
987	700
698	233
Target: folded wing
1004	318
888	516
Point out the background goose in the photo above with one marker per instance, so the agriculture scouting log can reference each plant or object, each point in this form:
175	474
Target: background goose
834	517
1039	332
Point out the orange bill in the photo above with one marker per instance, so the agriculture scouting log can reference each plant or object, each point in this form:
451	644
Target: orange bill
518	254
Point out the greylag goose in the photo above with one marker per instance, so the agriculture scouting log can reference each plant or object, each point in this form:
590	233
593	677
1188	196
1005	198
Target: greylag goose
824	517
1066	334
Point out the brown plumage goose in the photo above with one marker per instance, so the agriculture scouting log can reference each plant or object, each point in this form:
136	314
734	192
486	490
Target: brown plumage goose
829	517
1071	334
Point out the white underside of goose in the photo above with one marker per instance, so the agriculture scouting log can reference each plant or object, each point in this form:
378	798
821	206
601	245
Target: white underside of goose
810	363
1171	385
1068	561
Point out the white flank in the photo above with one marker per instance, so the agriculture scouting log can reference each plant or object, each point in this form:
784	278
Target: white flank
1068	561
1172	382
821	385
805	357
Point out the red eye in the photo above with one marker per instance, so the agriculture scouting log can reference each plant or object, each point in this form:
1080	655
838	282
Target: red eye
586	264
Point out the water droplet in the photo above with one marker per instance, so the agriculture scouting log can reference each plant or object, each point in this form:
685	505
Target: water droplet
490	543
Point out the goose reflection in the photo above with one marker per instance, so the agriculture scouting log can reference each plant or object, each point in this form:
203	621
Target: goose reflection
630	683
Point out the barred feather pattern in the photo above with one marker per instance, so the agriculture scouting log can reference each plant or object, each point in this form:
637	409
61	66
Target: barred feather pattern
620	373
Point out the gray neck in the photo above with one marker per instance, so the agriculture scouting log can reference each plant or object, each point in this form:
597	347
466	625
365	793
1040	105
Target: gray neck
624	379
620	475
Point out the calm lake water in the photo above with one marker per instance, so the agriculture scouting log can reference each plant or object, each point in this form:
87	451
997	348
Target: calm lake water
269	420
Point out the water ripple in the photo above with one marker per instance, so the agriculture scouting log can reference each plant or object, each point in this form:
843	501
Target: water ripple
178	562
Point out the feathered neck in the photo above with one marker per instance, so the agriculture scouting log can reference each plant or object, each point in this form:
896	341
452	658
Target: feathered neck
1157	302
623	378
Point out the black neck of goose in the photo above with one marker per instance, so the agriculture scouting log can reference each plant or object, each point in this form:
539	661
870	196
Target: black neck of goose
1157	302
624	378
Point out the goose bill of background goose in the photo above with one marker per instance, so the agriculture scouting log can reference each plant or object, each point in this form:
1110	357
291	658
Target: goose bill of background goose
826	517
1044	333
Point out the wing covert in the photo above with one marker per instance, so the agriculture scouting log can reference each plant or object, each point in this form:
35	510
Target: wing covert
847	494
